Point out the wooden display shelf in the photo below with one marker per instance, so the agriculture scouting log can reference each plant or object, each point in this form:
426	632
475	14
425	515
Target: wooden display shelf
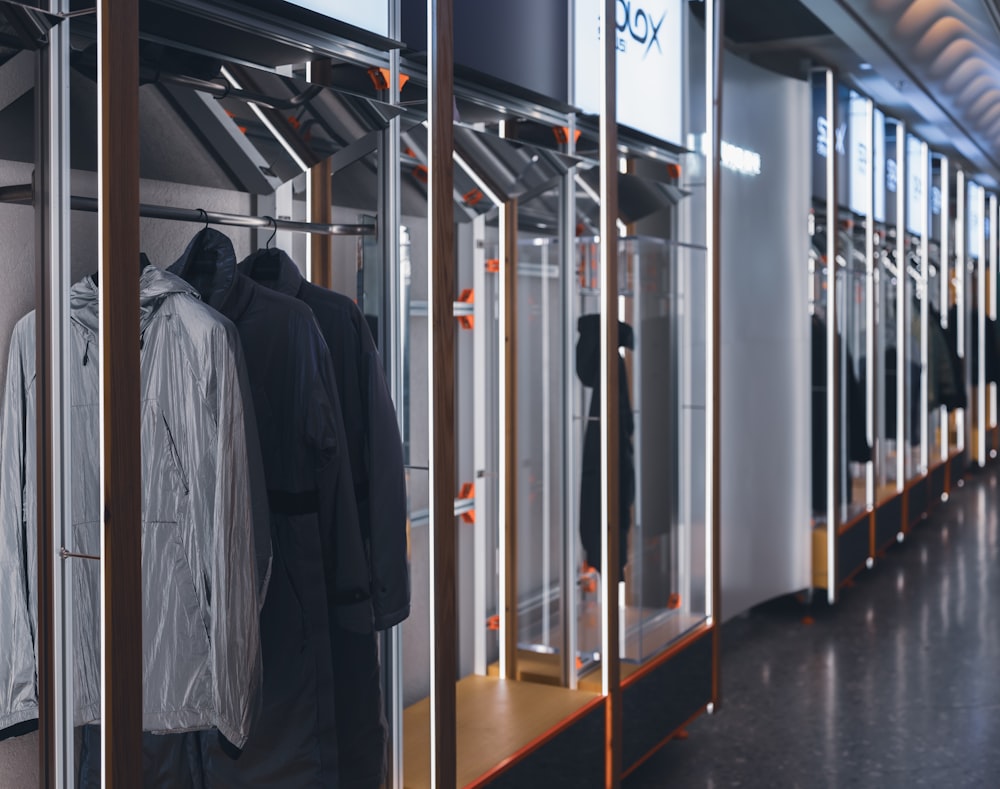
498	721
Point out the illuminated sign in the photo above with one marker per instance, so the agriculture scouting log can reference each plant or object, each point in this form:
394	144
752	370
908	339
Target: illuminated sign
371	15
740	160
861	184
879	167
649	64
916	184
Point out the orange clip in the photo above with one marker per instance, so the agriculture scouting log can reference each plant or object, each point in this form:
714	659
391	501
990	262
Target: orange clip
294	122
468	491
493	265
674	170
493	623
380	78
562	134
472	197
420	173
467	322
674	601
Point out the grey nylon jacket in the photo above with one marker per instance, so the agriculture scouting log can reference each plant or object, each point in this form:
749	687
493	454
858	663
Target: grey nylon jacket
201	596
375	447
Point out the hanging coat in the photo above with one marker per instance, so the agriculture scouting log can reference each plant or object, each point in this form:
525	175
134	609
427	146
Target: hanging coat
320	563
380	492
588	370
201	593
374	443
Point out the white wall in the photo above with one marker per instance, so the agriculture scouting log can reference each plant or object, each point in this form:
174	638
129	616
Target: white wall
765	375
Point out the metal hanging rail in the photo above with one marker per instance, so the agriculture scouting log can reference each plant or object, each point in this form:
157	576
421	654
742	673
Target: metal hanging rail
23	194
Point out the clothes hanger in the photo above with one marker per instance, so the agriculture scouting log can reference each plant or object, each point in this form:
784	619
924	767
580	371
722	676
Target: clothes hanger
266	262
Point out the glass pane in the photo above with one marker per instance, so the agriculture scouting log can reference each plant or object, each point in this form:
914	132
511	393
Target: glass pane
663	300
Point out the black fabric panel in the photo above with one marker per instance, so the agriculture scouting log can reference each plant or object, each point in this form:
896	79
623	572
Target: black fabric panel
888	522
660	702
852	550
574	757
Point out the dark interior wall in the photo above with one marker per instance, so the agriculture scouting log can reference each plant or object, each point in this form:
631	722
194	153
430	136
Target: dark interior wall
521	42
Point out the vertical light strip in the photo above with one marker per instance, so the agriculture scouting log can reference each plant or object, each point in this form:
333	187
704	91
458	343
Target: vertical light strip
608	284
901	275
945	275
390	238
833	451
503	471
546	314
714	14
484	419
870	302
925	264
961	266
980	242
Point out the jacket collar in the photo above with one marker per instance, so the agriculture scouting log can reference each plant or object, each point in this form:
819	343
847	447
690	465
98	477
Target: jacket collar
209	265
274	268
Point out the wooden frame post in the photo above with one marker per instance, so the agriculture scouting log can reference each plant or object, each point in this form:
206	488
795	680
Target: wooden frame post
121	474
441	297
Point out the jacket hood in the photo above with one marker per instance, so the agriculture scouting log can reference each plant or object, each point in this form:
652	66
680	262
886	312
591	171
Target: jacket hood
275	269
154	286
209	265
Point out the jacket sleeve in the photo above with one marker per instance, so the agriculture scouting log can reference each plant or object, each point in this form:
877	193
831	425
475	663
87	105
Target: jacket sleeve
18	698
235	633
347	574
389	563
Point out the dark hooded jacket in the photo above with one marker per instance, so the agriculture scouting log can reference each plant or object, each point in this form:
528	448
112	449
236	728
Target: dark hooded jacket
588	370
372	430
320	567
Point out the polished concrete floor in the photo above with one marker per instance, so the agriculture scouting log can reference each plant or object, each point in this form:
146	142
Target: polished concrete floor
898	685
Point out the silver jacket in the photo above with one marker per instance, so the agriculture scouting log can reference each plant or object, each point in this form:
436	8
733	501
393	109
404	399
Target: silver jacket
201	596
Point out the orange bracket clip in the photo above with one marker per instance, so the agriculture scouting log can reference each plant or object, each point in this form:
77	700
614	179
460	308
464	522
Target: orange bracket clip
493	623
467	322
562	134
420	173
674	601
674	170
472	197
380	78
493	265
468	491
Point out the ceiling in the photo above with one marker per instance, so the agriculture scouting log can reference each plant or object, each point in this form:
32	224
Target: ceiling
932	63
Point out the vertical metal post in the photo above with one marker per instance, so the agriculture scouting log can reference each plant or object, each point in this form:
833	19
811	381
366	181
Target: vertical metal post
570	260
901	275
833	448
961	267
924	226
980	242
52	382
121	477
608	283
714	15
945	275
991	300
508	441
441	297
871	388
485	411
392	316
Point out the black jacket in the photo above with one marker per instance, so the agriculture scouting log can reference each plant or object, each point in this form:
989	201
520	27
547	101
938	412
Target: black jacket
588	370
374	444
318	577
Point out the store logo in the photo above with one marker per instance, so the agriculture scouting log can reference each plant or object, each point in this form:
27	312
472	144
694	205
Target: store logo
740	160
890	175
823	137
638	24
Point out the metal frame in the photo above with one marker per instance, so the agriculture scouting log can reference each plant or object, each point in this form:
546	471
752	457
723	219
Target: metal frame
901	415
871	386
991	305
53	382
982	422
925	262
944	273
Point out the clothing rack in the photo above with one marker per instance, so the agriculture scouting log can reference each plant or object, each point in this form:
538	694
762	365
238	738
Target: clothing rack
23	194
